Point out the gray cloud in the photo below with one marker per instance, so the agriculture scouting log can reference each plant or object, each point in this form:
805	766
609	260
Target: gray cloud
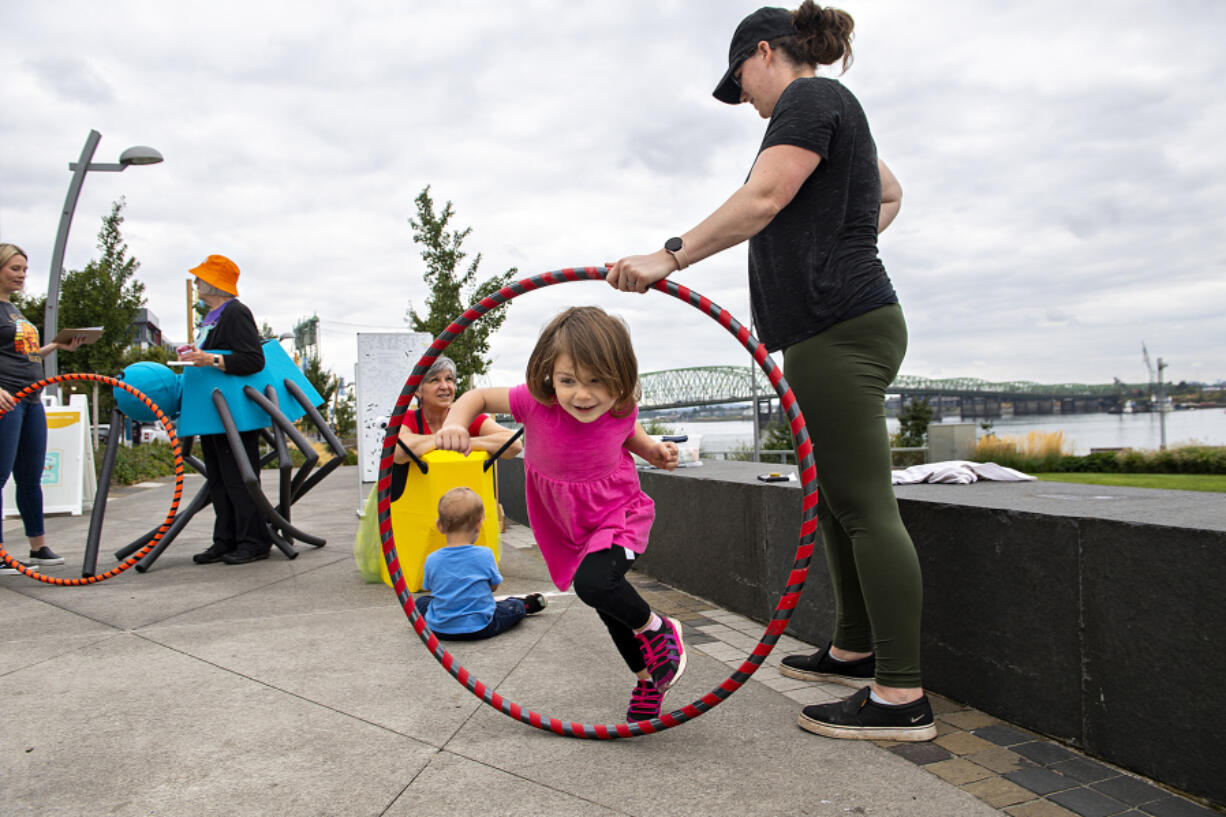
1064	195
73	79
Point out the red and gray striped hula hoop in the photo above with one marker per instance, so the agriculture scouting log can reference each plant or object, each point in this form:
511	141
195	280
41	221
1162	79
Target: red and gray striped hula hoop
174	502
795	581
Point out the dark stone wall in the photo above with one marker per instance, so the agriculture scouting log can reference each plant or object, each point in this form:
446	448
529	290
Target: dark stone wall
1105	633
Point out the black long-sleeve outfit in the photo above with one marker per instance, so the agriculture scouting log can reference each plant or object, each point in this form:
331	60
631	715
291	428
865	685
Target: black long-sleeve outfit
239	525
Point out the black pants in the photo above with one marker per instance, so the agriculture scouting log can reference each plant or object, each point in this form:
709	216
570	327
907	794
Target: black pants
600	583
239	525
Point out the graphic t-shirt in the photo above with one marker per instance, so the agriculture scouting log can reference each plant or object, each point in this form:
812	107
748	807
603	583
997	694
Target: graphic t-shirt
20	364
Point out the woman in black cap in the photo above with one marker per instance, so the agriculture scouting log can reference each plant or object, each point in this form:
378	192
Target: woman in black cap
811	209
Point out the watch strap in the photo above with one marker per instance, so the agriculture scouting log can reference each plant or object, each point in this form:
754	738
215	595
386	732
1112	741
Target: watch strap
679	255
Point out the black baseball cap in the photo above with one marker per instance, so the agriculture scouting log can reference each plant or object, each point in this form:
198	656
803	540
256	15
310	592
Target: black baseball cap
764	24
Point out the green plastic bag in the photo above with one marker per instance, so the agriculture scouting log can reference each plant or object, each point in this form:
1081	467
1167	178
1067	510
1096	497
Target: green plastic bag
367	548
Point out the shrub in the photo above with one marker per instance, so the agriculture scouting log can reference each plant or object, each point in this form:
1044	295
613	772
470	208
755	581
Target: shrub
656	426
139	463
1037	451
156	459
1039	454
774	437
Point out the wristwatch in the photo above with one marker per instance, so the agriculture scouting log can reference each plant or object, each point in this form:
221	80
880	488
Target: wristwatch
676	248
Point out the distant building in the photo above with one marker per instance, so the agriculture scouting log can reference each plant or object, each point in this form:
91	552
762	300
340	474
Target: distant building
146	330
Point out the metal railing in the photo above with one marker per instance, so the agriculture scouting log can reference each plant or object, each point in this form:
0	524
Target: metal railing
788	456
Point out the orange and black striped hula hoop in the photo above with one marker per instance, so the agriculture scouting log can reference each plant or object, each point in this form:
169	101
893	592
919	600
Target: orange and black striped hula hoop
174	503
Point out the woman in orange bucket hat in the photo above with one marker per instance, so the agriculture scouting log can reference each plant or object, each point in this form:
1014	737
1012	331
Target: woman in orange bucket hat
229	340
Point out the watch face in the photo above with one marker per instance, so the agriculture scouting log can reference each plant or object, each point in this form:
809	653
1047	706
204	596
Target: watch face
673	244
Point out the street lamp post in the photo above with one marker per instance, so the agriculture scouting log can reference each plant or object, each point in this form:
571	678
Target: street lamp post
138	155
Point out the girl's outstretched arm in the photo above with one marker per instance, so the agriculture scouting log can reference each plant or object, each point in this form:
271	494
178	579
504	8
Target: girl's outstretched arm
657	452
492	435
453	436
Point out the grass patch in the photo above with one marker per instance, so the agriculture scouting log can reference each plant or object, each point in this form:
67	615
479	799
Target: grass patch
156	459
1214	483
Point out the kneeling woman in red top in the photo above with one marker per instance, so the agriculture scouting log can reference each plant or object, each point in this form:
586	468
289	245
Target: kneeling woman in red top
434	399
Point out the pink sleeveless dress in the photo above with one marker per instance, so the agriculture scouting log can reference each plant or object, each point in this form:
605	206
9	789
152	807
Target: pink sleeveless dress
581	487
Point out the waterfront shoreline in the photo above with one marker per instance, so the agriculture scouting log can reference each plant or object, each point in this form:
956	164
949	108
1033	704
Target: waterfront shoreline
1082	432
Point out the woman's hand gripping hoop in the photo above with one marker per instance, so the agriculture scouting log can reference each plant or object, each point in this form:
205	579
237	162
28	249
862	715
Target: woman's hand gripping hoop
795	582
174	502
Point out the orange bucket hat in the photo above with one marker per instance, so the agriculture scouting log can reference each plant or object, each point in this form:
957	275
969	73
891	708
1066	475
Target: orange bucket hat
219	271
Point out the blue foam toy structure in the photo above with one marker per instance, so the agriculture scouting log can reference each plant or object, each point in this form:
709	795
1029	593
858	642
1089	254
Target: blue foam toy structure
198	415
159	383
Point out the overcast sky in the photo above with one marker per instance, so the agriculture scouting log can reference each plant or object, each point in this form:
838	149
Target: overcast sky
1064	195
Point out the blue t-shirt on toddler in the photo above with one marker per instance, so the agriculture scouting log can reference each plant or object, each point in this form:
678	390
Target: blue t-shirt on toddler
460	579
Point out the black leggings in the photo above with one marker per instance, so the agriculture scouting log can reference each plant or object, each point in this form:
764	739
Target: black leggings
600	583
839	377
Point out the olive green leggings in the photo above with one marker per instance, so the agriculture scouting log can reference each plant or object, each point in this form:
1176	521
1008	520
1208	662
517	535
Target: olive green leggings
839	378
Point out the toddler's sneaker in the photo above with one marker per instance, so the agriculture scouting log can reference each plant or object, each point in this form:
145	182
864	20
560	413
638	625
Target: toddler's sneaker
664	653
535	602
821	666
45	556
645	702
861	718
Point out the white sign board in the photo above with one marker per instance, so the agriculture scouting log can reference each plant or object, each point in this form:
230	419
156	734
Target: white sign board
68	471
385	360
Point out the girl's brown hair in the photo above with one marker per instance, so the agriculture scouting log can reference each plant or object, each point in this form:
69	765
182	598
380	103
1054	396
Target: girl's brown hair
823	36
596	342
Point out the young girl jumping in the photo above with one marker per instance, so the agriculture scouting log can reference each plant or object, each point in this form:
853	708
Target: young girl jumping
587	511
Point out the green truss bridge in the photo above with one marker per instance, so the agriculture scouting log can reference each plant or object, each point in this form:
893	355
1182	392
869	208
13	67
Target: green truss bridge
714	385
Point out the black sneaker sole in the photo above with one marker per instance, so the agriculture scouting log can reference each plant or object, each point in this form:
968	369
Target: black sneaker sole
59	560
915	734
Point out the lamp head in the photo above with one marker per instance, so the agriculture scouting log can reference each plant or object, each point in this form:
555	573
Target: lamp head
140	155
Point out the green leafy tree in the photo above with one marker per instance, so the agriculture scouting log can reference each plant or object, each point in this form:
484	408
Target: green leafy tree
322	379
156	354
450	292
103	294
776	437
913	423
345	423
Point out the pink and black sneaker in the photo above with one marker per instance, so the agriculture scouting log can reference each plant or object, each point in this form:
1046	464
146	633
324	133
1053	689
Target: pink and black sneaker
645	702
664	653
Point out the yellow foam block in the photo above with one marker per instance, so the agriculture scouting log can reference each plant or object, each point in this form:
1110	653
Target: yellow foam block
414	514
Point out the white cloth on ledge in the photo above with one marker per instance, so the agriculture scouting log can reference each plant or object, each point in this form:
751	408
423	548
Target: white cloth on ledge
958	472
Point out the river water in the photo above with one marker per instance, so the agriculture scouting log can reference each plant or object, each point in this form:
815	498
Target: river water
1081	431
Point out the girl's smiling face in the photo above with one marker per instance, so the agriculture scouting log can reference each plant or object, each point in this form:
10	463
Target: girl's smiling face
580	394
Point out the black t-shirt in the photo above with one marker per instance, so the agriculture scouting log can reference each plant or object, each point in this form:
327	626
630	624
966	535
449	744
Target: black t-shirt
20	364
816	263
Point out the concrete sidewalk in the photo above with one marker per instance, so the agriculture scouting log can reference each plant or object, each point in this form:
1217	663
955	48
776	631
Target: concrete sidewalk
292	687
